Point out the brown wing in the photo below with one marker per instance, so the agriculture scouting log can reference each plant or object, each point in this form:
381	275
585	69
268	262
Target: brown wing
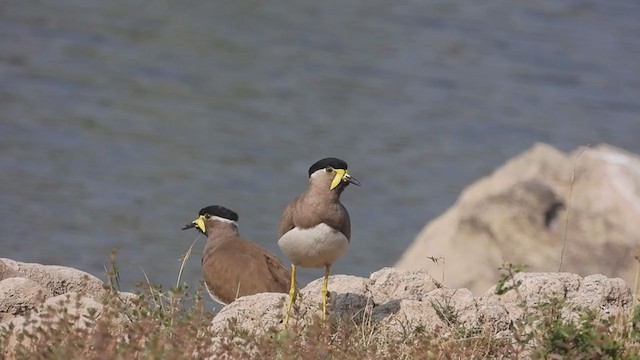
280	274
338	218
286	222
239	267
345	223
218	277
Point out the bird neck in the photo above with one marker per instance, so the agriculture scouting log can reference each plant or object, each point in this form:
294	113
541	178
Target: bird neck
321	192
220	230
216	237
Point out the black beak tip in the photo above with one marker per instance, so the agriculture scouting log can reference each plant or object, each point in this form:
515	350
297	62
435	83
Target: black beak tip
354	181
189	226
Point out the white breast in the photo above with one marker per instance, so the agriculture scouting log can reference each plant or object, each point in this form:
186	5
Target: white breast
315	247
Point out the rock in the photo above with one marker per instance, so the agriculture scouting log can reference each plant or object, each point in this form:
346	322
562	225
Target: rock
57	279
517	214
401	303
72	311
81	310
34	296
6	271
608	183
535	289
445	310
390	303
456	306
255	313
73	304
19	295
348	296
406	317
493	316
393	284
609	297
606	296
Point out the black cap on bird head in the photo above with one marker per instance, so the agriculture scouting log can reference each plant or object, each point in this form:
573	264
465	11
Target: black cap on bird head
337	166
326	162
219	211
207	213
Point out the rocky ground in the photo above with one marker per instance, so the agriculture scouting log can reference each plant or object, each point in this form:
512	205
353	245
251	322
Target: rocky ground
394	301
402	300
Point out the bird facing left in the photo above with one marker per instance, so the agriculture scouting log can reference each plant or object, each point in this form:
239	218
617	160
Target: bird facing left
231	265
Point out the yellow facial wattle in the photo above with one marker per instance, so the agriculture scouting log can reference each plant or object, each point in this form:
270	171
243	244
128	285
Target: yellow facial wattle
340	176
199	223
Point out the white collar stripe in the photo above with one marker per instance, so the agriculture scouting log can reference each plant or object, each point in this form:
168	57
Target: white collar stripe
218	218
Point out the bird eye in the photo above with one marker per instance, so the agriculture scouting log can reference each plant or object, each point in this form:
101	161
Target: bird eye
207	216
329	169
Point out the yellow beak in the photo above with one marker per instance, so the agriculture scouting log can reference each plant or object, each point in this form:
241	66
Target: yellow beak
342	175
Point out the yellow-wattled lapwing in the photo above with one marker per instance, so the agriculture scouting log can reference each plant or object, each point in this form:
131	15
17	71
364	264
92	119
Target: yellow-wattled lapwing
232	266
315	228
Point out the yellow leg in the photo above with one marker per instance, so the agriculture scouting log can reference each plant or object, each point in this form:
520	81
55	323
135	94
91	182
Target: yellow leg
327	270
292	294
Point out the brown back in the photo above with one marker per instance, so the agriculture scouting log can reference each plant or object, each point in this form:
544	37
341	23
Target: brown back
236	267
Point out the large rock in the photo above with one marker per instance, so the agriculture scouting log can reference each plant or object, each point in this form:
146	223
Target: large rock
517	214
57	279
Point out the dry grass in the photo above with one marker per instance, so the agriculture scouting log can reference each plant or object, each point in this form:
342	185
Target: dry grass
179	329
175	324
636	286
